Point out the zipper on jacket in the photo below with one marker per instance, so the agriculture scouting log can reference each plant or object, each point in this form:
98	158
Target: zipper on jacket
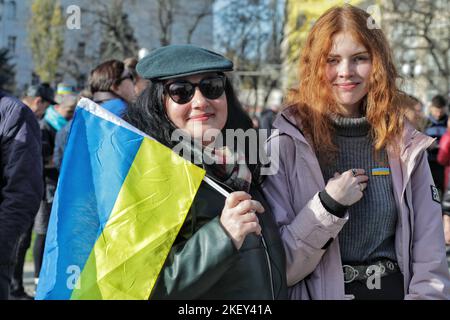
409	242
268	266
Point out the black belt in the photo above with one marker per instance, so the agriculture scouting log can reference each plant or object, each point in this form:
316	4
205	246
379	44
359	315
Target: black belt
363	272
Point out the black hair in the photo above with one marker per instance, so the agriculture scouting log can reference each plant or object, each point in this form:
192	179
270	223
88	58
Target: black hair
148	114
439	101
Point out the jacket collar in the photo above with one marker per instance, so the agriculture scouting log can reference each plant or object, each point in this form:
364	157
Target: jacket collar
287	123
102	96
411	142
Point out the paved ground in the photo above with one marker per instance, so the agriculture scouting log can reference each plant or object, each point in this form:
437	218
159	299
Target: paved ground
28	278
29	281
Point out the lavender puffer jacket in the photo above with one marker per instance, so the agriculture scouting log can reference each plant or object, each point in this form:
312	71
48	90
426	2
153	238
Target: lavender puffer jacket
306	226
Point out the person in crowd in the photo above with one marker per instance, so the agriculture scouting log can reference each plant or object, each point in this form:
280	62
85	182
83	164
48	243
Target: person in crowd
443	155
415	114
446	222
443	159
61	135
435	127
139	83
21	186
268	117
228	248
38	98
112	86
255	122
55	118
353	196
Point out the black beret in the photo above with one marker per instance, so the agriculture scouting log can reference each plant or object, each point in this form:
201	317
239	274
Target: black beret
175	61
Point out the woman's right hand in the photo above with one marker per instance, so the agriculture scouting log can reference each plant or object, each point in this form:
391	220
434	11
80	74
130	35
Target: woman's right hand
239	217
346	188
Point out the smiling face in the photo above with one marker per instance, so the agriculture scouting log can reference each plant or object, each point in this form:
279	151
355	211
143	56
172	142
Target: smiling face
200	114
348	70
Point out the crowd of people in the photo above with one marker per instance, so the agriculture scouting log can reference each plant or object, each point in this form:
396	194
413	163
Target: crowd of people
436	125
357	192
114	85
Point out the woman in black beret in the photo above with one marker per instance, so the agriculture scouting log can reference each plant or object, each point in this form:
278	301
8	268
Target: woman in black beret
228	248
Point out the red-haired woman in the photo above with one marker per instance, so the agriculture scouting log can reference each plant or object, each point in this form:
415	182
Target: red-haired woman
351	165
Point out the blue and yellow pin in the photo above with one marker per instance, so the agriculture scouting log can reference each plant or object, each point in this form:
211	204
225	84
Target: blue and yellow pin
381	171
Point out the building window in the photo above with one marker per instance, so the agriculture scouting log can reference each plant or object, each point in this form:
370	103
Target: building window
81	81
12	44
34	79
11	10
58	77
2	9
81	50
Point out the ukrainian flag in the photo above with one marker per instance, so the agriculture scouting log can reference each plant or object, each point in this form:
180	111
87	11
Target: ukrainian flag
119	205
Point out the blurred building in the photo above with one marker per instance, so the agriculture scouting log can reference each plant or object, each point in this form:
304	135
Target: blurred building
83	44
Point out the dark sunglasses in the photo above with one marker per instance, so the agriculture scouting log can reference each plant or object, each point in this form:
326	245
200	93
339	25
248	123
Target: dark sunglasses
127	76
182	91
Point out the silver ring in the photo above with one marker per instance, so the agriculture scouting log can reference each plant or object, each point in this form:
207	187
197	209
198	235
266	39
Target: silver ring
354	172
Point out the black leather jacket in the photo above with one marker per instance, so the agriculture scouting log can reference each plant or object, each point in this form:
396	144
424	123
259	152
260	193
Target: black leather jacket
204	264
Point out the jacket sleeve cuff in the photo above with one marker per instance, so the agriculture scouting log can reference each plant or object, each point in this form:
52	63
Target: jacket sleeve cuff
331	205
315	225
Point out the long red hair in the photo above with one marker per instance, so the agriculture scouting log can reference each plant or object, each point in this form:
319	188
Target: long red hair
313	99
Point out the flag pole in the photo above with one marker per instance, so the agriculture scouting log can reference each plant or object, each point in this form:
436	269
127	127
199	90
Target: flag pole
216	186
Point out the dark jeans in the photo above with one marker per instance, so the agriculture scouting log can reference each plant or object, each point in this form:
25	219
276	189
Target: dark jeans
391	288
38	253
19	261
40	229
5	276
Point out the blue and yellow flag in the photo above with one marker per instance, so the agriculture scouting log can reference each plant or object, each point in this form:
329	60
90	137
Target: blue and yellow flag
119	205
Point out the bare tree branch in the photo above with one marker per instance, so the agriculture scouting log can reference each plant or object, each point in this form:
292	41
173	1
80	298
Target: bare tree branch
413	26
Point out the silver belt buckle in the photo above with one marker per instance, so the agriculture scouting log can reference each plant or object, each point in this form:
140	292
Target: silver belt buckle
350	273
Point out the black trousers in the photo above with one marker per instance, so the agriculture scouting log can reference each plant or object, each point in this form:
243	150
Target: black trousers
38	253
391	288
5	277
19	261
